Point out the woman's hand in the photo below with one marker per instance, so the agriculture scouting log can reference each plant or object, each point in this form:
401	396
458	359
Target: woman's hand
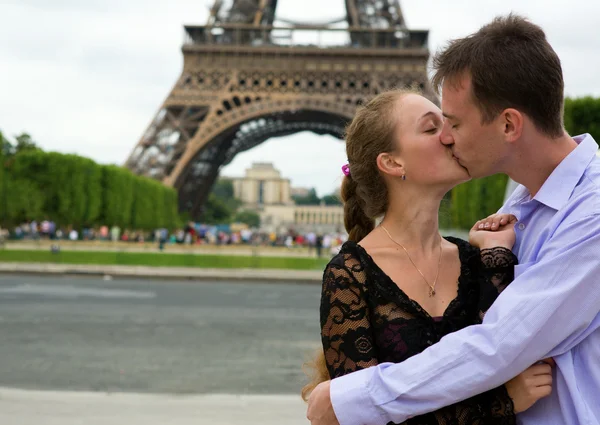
530	386
495	230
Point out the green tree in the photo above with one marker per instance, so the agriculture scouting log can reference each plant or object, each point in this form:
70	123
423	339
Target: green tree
117	196
146	208
25	143
172	218
582	115
251	218
216	211
221	204
310	199
93	188
223	188
25	202
332	199
476	199
38	168
6	148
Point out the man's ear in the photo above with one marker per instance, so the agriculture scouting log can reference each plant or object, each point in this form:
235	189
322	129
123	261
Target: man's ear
512	121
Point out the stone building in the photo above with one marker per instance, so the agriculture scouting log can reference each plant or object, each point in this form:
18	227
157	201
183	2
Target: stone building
265	191
262	185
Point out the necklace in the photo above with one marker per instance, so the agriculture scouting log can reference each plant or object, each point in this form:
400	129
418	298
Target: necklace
431	287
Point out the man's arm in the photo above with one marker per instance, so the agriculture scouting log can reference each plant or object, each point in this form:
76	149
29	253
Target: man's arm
545	311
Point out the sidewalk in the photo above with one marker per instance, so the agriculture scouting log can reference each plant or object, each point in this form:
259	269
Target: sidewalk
191	273
19	407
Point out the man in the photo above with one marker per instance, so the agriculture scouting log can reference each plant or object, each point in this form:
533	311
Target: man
502	96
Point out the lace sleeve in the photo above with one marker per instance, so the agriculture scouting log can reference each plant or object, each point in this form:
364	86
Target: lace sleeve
497	271
345	327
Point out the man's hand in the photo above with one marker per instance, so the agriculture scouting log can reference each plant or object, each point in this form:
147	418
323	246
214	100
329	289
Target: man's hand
320	411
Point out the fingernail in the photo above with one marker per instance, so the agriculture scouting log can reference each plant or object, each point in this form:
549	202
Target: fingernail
487	225
481	226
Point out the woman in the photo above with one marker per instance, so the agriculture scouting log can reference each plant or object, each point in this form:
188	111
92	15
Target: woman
395	289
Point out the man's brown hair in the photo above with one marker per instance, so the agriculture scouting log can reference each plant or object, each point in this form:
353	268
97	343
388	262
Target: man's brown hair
511	65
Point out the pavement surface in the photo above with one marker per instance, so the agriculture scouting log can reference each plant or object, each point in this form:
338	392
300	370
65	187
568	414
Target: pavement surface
19	407
83	350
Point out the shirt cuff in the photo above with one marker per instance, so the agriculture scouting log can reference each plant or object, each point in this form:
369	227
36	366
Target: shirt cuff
351	401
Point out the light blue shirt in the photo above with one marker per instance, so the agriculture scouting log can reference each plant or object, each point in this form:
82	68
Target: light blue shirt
551	309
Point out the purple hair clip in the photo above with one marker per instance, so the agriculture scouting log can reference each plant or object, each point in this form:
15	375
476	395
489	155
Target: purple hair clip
346	170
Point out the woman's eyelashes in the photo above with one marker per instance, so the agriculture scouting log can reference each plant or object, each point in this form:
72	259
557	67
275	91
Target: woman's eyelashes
433	126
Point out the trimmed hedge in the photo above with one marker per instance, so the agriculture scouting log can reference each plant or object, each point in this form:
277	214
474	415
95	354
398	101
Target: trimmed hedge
73	190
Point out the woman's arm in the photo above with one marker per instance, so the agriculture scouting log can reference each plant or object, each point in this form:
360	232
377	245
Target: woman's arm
345	326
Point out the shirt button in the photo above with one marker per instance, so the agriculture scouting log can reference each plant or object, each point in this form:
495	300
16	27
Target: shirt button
521	226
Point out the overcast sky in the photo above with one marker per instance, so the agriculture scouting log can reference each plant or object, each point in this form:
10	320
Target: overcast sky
87	76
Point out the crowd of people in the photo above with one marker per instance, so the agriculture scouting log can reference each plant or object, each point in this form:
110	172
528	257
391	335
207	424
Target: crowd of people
191	234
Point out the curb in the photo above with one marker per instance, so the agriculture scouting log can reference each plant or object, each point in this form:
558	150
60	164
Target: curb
171	273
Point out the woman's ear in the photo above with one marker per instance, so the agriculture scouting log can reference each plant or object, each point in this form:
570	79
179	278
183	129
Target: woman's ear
390	165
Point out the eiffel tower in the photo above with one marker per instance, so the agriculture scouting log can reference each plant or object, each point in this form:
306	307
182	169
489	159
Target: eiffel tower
245	80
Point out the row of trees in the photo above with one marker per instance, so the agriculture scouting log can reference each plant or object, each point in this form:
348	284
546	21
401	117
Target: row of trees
476	199
72	190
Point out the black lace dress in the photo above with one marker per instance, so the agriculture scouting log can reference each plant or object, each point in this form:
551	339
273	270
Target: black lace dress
367	319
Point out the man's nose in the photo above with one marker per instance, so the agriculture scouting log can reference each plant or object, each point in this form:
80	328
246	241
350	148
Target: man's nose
446	138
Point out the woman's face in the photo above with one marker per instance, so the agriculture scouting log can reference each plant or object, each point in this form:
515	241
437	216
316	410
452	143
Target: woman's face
425	159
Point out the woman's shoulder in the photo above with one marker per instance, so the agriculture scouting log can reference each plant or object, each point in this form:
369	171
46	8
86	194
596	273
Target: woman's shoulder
466	252
461	244
349	262
348	255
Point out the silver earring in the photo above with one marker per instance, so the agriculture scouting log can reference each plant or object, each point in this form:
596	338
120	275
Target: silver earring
403	177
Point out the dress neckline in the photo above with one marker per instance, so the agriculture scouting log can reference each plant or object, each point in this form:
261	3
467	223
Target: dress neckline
463	253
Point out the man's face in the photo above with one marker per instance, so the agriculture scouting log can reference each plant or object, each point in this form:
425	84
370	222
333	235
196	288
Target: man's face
476	146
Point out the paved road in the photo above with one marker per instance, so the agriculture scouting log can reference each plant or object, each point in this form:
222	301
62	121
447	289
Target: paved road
86	334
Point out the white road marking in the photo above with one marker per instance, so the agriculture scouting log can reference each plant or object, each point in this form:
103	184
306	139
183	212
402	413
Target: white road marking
72	292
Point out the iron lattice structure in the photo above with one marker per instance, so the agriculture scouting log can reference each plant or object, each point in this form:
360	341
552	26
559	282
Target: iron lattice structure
245	80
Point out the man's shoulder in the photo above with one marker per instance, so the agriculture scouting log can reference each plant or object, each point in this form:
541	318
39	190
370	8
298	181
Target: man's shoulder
592	171
586	195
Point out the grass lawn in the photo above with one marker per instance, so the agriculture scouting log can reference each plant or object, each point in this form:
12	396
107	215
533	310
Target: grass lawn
163	259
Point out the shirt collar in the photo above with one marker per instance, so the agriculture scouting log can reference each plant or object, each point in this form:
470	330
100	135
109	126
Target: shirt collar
558	187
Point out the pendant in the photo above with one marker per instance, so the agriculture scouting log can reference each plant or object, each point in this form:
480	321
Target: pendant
431	292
